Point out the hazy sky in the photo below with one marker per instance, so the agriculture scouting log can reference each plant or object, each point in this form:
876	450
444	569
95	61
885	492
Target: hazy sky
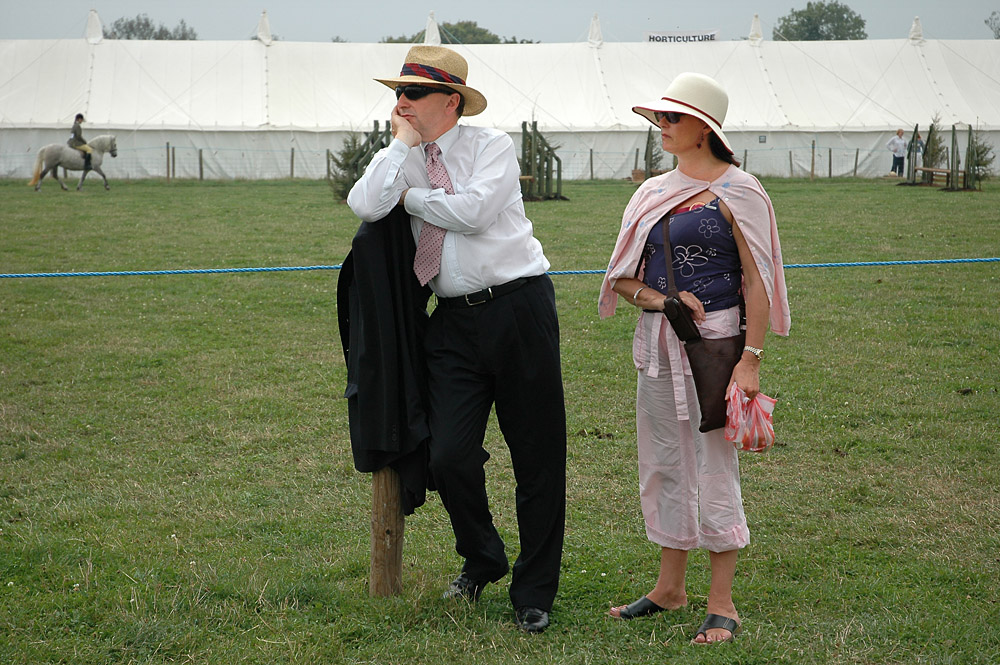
539	20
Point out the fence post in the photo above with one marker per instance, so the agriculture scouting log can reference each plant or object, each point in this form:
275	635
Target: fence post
536	148
528	159
173	162
386	568
548	176
591	163
525	160
971	159
744	160
558	176
648	156
812	163
830	164
636	166
329	173
953	178
201	166
168	161
857	151
791	170
293	163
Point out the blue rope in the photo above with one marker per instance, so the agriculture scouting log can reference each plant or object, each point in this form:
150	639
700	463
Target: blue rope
208	271
195	271
819	265
890	263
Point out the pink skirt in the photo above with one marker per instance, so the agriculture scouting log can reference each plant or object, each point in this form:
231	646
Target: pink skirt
689	482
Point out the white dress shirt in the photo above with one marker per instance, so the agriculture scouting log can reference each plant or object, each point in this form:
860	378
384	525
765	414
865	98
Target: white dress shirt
897	145
489	240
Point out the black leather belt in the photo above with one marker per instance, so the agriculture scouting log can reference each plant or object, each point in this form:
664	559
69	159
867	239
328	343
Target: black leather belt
484	296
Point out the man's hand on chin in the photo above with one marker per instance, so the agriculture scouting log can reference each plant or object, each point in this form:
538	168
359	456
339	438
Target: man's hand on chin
403	130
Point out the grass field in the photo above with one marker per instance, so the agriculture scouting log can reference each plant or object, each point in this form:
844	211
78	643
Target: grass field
176	483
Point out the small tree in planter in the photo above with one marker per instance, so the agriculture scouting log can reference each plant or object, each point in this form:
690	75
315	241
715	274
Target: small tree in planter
978	159
935	151
342	178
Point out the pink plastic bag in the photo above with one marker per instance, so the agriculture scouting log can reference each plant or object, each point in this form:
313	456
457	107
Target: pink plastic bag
748	421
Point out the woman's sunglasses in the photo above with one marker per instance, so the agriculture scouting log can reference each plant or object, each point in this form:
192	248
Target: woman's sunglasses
672	118
415	92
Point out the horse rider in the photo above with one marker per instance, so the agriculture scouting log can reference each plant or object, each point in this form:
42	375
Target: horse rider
77	141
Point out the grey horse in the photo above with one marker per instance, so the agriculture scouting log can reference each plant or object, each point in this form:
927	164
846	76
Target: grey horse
55	155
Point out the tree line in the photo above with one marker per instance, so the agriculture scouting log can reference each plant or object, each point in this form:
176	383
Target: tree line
817	21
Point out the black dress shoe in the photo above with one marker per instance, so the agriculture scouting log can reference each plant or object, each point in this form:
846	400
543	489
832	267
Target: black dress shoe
465	587
531	619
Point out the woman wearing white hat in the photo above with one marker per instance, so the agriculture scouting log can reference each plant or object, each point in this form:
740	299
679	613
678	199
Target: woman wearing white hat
725	252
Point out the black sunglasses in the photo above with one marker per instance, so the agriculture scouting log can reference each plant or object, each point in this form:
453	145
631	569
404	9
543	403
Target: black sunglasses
415	92
672	118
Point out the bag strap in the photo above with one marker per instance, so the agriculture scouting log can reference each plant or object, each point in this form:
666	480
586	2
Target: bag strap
667	256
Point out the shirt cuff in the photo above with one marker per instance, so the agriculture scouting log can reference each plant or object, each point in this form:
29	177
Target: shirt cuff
416	201
398	151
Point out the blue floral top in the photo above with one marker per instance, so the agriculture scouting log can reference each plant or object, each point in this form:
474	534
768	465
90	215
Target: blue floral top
706	261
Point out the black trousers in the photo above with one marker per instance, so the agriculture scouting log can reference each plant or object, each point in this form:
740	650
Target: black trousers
506	353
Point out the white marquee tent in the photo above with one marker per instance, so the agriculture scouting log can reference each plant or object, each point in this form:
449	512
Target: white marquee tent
247	104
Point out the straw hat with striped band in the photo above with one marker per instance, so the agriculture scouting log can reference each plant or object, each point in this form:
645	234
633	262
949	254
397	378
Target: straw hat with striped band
440	65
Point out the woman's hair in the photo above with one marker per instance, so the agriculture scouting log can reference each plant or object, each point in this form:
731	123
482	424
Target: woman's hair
719	150
79	116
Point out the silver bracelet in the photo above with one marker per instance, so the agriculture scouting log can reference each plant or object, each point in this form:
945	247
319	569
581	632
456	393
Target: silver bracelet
636	295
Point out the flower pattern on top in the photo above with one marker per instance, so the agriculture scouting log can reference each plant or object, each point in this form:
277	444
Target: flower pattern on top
689	257
704	257
701	285
709	226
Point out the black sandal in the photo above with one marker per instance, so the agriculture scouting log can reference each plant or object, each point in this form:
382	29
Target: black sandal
717	621
640	608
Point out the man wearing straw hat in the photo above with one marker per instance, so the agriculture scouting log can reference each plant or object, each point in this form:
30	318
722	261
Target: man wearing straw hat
493	339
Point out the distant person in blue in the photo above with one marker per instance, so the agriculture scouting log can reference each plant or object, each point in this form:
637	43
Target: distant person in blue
917	146
897	146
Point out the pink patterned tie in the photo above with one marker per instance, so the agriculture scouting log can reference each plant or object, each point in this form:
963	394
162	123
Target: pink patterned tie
427	261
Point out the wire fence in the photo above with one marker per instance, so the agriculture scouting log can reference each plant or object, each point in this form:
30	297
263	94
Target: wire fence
304	161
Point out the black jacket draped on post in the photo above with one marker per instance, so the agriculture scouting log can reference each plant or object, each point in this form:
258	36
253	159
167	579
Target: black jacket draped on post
382	311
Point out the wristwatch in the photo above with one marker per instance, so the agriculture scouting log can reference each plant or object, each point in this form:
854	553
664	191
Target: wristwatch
754	350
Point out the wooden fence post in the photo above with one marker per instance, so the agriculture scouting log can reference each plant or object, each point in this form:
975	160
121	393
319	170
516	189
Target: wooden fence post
953	175
857	151
386	572
173	162
201	166
812	163
293	163
168	161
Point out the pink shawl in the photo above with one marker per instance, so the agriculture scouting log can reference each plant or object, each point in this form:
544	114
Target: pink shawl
751	209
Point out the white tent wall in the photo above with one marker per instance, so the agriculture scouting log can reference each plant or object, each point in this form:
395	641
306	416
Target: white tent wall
268	154
246	105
